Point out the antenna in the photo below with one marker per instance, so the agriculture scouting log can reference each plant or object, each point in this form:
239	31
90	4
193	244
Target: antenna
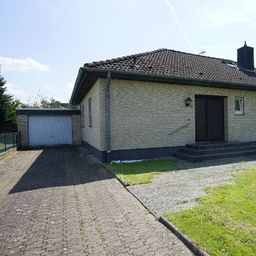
201	53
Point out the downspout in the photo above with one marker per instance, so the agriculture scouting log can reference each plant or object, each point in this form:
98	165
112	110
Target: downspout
107	118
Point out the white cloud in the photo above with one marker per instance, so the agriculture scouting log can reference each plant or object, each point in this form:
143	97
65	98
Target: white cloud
16	91
21	65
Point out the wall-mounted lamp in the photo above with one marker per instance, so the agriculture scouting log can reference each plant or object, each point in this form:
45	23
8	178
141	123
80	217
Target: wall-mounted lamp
188	101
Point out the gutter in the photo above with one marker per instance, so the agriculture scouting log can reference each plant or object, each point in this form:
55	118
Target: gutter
169	79
102	73
107	118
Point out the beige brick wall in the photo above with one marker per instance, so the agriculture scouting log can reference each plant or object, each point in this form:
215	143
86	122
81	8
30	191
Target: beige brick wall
94	135
22	122
76	130
150	115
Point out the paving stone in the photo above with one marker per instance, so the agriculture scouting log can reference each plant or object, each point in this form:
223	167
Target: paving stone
61	201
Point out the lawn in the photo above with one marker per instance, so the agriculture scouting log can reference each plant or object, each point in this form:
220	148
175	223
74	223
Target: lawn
225	222
1	145
140	172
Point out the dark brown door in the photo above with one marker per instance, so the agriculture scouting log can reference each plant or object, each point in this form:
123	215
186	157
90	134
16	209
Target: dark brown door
209	115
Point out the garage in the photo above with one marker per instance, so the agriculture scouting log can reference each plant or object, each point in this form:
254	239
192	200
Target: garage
49	130
48	127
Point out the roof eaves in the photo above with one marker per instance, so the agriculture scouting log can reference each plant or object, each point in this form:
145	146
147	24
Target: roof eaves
84	85
77	85
168	79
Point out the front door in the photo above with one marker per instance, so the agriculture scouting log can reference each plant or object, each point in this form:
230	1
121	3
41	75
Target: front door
209	115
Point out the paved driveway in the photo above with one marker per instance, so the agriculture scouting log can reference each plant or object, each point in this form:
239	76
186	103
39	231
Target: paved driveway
62	202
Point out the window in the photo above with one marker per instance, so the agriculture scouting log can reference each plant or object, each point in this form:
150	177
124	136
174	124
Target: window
239	106
82	115
90	111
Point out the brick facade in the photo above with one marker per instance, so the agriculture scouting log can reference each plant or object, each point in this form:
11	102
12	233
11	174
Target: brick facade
94	135
154	115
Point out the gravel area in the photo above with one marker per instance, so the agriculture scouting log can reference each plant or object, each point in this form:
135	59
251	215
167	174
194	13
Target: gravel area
177	190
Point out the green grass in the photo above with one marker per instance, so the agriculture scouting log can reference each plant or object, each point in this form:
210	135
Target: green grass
140	172
1	145
225	222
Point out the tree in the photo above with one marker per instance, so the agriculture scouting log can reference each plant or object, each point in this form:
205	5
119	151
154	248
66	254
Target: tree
41	101
7	105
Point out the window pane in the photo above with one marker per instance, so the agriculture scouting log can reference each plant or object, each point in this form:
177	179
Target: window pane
90	111
241	102
82	115
237	105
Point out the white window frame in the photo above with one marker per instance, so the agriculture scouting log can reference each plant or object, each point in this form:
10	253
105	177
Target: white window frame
241	104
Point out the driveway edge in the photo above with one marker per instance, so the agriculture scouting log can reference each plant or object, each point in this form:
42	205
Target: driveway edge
9	151
123	183
193	247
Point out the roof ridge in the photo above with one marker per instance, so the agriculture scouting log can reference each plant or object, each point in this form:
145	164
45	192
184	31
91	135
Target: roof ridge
125	57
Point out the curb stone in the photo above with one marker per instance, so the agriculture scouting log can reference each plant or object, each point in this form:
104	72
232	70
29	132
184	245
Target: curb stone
6	153
126	185
193	247
115	176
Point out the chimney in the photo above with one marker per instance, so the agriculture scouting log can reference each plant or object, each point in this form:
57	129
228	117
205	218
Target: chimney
245	58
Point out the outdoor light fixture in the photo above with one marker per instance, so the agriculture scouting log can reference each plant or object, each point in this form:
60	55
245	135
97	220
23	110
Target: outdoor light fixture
188	101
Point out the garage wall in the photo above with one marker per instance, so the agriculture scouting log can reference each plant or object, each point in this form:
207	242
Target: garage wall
22	122
76	130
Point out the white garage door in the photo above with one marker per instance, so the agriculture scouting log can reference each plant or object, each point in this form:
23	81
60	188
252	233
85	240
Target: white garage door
49	130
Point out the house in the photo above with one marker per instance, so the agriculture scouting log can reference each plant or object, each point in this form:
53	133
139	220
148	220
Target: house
152	104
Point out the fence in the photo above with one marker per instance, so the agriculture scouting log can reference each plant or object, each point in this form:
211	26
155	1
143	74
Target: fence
8	140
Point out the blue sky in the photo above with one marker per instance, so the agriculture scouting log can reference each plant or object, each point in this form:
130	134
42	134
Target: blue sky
44	42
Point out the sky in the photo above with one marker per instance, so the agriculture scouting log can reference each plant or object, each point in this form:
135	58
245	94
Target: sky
44	42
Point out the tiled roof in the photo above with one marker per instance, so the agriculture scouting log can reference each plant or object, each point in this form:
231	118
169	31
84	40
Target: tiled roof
170	63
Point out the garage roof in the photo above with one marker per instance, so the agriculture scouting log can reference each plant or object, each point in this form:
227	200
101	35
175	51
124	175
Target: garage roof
46	111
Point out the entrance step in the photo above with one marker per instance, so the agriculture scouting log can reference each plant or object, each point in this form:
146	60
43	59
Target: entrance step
206	151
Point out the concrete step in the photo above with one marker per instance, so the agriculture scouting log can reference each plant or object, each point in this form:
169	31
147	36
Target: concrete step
216	145
210	151
203	157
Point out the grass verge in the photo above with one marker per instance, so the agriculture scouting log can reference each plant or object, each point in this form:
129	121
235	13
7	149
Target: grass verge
225	222
140	172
